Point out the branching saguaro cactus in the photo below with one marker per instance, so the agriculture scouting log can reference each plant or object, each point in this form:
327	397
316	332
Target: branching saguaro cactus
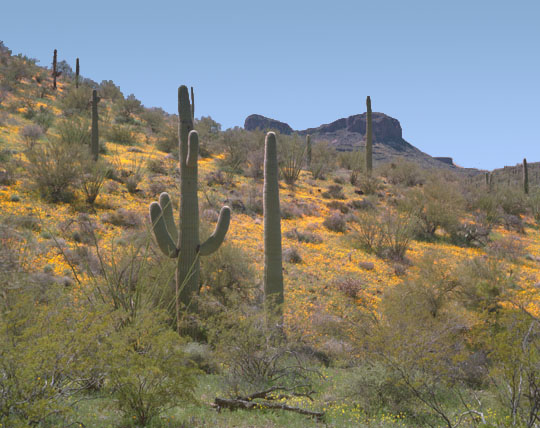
183	242
94	145
55	73
308	150
369	138
273	273
525	177
77	72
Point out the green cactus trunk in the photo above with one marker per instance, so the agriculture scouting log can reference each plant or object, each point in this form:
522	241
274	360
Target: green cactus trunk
183	243
369	138
273	272
54	72
525	177
308	151
77	71
95	130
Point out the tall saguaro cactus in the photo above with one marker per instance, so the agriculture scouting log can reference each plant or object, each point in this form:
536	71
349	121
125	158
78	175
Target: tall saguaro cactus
308	150
273	273
55	72
369	138
77	71
525	177
95	131
183	242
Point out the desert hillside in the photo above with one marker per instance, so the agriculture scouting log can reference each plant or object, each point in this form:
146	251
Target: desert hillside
410	292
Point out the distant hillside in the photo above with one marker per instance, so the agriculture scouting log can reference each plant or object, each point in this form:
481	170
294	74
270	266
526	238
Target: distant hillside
348	134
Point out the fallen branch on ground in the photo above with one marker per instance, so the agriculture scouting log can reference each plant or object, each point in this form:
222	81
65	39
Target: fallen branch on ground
238	403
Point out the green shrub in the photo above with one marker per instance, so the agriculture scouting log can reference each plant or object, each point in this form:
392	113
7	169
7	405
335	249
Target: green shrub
54	169
121	134
336	222
76	101
403	173
322	160
148	371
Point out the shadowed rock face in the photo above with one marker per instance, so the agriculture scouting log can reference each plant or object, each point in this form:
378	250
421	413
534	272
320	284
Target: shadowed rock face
348	134
256	121
385	128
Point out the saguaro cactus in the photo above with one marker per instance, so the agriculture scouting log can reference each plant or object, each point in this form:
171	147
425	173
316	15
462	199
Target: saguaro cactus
525	177
308	150
273	273
94	146
183	242
192	103
55	73
369	138
77	70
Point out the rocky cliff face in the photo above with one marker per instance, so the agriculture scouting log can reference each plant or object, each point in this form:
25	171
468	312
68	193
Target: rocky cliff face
349	134
256	121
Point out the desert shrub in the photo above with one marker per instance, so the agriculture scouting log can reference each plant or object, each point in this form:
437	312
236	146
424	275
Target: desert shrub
148	371
54	169
322	160
388	235
368	184
75	132
512	202
509	248
290	210
334	191
338	206
76	101
291	158
256	357
336	222
92	177
167	140
435	205
227	275
156	166
403	173
235	145
129	106
348	285
304	236
475	233
154	117
122	217
30	134
121	134
534	205
108	90
44	118
291	255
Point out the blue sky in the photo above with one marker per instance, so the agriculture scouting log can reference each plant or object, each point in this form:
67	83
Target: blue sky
462	77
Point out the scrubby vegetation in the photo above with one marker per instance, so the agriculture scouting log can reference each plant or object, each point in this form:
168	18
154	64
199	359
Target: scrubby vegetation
393	295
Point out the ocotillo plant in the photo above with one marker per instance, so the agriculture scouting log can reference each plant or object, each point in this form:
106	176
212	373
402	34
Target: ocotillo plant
77	70
55	73
525	177
273	274
183	242
94	145
369	138
308	150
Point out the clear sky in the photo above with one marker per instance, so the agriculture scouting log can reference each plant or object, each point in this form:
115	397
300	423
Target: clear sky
462	77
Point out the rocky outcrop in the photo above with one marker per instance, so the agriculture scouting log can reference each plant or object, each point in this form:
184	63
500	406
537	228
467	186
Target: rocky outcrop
446	160
385	128
256	121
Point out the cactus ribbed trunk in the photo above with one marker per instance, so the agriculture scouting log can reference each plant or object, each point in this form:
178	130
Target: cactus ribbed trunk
273	273
77	71
95	130
183	242
525	177
188	240
308	151
54	72
369	138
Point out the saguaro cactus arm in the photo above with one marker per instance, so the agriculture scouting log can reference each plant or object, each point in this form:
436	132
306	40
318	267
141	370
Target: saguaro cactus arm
166	206
216	239
193	149
163	237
